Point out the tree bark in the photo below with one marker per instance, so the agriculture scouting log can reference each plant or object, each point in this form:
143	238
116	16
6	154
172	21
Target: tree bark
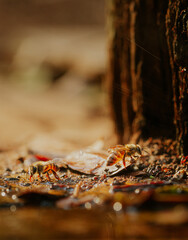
177	37
139	76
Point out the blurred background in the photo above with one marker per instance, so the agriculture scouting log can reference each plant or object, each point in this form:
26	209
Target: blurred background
53	57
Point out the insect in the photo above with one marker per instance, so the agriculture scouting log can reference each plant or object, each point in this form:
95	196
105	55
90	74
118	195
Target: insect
120	152
43	168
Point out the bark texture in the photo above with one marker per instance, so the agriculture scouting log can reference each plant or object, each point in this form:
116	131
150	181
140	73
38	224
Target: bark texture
139	78
177	37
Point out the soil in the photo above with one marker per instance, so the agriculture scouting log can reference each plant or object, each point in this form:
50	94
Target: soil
57	112
146	200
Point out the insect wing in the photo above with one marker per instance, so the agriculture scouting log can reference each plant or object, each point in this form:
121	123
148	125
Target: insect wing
116	148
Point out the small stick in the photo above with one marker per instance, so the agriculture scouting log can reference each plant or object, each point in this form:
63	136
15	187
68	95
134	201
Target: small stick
77	190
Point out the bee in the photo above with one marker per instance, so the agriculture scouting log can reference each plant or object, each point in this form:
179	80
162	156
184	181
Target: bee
120	152
43	168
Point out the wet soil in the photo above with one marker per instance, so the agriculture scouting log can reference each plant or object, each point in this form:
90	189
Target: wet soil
68	124
143	201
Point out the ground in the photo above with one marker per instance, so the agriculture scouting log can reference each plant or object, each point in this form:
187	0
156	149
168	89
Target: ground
54	107
146	200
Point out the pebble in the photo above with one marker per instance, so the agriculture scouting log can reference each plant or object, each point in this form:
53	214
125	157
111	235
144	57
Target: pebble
11	179
8	170
27	184
117	206
13	208
88	205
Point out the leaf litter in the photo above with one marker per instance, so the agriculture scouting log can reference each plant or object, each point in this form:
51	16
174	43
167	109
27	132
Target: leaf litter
157	180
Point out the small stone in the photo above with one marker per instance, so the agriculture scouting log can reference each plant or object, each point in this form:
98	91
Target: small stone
11	179
13	208
8	170
117	206
88	205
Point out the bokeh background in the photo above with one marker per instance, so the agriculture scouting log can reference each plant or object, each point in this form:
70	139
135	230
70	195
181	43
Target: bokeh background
53	60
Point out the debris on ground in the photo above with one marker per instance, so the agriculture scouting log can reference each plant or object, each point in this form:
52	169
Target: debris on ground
82	179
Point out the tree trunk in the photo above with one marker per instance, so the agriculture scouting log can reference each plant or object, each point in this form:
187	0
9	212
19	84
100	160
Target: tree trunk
177	37
140	81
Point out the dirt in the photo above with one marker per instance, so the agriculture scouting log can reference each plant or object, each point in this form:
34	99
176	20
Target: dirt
66	120
143	200
148	199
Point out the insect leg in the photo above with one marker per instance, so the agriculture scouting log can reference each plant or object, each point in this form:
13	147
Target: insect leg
48	176
39	177
124	164
30	178
55	175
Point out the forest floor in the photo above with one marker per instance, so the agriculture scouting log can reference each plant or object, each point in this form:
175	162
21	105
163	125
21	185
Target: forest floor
67	124
146	200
